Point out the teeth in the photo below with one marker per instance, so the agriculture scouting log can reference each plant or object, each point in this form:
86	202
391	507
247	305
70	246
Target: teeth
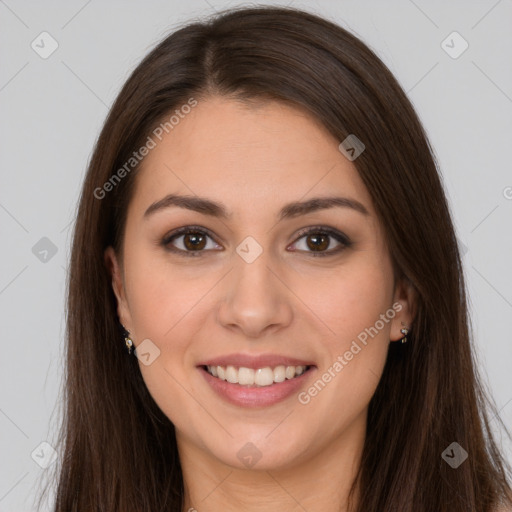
261	377
264	376
290	372
231	374
280	373
246	376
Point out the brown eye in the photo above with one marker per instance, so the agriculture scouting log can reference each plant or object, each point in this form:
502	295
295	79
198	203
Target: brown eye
194	241
189	241
318	240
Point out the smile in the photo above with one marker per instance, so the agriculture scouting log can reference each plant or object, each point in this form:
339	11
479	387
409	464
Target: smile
263	380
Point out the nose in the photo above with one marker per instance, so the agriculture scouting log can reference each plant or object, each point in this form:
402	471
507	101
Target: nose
254	299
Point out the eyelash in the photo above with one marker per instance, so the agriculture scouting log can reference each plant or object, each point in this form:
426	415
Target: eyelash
338	236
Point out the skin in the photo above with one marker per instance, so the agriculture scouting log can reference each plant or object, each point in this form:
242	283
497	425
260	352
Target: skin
255	159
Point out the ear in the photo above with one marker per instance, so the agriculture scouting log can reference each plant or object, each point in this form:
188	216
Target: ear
114	267
404	301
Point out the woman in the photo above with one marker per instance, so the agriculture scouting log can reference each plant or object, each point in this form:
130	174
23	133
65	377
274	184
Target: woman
266	301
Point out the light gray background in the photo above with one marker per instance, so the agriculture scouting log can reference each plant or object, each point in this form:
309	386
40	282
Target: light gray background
52	111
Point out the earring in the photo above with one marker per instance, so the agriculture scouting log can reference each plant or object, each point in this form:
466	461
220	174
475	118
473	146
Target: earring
405	332
129	344
127	340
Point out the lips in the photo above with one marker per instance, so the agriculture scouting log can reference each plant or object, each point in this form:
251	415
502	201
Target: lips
256	381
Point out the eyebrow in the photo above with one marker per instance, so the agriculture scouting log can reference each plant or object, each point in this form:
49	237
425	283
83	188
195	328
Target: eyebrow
218	210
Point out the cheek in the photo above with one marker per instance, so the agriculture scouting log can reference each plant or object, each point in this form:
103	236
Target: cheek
355	348
160	295
350	299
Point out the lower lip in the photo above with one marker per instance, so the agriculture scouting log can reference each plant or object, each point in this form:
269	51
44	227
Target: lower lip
256	396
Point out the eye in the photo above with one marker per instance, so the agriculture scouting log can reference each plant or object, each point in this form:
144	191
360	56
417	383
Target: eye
193	240
318	239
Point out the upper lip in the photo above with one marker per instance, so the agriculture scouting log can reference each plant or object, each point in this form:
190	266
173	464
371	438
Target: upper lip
254	362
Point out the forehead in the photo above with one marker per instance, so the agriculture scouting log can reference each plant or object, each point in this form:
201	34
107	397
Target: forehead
246	155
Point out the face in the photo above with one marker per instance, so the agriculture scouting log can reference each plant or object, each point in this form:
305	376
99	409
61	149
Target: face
292	301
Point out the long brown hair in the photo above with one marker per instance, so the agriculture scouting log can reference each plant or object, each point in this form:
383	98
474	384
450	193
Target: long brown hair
117	449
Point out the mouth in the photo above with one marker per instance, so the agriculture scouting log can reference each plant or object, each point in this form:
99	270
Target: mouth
256	377
256	382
